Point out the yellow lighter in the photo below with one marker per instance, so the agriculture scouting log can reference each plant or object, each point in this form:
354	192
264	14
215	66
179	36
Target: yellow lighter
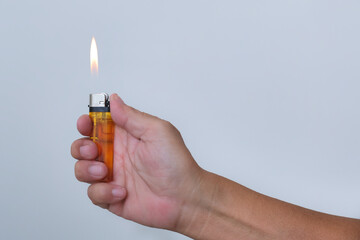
103	130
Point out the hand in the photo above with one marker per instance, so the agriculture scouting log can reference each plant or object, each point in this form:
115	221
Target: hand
154	173
157	183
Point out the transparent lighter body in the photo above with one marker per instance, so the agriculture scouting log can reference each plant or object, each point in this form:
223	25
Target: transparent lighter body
103	135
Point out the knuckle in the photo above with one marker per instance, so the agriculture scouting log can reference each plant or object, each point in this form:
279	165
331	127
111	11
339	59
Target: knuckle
143	114
90	192
78	171
131	110
97	194
169	127
168	124
164	125
73	150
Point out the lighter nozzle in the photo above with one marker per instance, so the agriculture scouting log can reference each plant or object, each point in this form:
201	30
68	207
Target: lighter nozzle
99	100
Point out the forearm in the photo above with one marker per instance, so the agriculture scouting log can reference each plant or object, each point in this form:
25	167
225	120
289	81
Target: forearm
222	209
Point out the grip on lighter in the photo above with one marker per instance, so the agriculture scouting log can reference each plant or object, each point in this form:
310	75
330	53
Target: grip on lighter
103	130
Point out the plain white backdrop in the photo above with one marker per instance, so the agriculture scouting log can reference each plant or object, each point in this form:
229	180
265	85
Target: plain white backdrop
265	93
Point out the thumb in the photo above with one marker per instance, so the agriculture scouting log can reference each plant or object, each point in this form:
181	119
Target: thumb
128	118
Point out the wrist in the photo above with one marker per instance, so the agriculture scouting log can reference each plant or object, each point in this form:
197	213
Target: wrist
198	205
218	208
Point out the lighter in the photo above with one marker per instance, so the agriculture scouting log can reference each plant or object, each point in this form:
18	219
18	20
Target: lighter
103	130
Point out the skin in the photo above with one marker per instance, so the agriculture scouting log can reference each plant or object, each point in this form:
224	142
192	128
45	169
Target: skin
157	183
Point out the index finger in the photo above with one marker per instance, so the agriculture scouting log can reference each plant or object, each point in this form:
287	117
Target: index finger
84	125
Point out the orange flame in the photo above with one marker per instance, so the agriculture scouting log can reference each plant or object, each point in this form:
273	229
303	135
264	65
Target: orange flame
94	61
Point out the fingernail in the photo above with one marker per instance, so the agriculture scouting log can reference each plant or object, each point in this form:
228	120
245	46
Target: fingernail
96	170
118	192
84	150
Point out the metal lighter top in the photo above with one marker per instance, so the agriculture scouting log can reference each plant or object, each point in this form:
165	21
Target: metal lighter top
99	102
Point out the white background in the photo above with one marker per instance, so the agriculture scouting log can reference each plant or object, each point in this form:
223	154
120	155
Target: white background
265	93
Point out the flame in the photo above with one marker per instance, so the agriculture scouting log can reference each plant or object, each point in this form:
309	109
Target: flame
94	61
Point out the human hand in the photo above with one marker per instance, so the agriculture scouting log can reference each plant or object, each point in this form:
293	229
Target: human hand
154	172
